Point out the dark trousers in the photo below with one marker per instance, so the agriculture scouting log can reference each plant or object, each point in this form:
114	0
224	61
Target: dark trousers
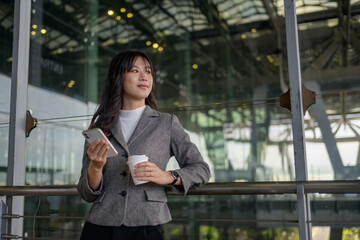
96	232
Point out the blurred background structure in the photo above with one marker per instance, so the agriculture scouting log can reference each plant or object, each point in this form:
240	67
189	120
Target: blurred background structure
221	66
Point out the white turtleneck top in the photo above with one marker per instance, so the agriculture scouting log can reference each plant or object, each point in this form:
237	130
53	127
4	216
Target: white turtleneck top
129	119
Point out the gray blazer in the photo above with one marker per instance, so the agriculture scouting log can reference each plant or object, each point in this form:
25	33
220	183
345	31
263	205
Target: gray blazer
118	201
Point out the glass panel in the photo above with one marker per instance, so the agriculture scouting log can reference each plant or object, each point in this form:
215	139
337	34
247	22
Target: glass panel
228	231
260	210
54	152
220	67
243	141
194	217
335	216
330	60
6	43
54	217
215	72
62	91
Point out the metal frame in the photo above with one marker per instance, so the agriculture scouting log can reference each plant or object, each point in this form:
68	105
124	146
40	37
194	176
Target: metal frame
303	204
18	103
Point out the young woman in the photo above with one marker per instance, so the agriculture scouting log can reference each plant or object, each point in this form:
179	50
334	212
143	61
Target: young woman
127	115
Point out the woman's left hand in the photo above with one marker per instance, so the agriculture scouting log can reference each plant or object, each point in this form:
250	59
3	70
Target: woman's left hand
148	171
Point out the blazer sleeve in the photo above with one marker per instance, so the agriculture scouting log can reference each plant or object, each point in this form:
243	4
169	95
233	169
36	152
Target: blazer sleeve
85	191
193	169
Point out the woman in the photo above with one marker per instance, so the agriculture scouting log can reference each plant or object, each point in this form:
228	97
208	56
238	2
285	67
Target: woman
127	115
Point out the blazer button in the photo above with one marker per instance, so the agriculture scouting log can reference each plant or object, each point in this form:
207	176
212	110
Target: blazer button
124	174
123	193
125	155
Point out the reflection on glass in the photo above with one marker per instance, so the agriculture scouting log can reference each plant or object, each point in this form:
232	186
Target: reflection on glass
223	60
246	141
194	217
6	43
53	217
54	153
330	67
335	216
220	67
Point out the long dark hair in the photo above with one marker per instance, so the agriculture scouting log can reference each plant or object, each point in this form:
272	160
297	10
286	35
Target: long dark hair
108	111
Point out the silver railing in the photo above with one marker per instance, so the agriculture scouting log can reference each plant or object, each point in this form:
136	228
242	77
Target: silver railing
224	188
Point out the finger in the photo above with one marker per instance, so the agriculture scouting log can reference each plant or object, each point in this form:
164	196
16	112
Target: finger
147	163
100	148
146	166
147	177
142	170
105	153
100	153
93	146
97	145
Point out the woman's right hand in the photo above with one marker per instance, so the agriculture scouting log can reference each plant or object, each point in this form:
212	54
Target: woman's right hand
97	153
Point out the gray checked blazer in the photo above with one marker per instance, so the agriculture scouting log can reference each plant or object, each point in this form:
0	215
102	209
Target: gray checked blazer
118	201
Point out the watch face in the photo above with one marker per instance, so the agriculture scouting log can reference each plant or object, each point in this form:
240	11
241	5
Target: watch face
175	174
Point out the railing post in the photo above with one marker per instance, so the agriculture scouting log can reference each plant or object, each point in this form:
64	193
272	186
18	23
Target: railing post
18	103
3	210
292	43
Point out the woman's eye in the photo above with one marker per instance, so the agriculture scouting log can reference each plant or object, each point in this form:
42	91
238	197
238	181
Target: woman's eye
134	70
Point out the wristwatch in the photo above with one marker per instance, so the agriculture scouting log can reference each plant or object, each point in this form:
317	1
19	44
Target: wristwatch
175	176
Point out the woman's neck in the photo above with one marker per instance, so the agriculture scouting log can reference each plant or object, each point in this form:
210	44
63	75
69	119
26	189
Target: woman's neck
132	105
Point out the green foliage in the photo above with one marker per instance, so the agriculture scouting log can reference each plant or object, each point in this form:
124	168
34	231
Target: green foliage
350	233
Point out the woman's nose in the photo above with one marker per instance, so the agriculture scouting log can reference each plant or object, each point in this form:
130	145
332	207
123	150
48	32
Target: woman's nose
143	76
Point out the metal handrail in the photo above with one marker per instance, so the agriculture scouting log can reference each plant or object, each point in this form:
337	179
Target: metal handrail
223	188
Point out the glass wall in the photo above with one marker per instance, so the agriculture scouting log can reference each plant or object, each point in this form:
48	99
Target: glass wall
330	61
218	72
6	43
335	215
220	67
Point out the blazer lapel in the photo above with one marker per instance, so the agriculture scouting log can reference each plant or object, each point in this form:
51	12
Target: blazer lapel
117	133
145	121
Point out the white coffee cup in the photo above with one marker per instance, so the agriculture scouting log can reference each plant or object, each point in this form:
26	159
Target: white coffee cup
132	161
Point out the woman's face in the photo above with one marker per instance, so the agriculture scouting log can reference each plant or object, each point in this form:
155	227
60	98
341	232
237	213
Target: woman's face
137	83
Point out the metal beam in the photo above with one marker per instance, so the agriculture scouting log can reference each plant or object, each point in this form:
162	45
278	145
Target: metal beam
344	15
18	103
328	137
212	14
304	214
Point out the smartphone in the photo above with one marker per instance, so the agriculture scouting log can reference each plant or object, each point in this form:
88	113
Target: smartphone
94	134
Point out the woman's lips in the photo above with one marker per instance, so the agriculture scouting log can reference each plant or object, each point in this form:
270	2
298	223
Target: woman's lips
142	86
